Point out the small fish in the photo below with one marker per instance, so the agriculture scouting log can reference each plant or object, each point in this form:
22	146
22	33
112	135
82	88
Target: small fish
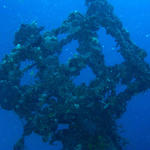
147	35
4	6
113	48
31	73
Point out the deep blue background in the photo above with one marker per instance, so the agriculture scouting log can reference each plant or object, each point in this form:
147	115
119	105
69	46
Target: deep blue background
50	13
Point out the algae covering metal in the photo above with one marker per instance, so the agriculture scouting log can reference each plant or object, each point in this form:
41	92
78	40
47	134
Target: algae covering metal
89	111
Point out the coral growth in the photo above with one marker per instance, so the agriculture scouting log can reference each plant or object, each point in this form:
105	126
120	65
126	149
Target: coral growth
54	99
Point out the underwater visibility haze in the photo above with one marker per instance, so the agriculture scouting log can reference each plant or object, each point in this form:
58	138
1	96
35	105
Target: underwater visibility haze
74	75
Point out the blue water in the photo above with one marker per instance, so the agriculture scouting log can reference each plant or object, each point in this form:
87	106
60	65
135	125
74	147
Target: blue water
50	13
